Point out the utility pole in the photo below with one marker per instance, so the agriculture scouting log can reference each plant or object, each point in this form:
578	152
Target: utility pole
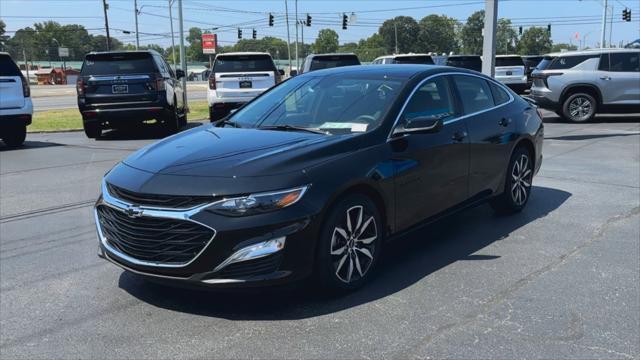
26	64
286	11
604	24
173	41
297	23
395	30
302	25
183	59
489	42
135	6
106	23
611	24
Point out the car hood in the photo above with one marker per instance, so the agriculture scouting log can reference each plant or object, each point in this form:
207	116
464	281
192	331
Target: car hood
209	151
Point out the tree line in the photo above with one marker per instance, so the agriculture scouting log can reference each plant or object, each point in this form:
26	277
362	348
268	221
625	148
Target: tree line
433	33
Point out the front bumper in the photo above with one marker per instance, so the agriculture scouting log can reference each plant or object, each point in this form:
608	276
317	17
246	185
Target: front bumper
281	249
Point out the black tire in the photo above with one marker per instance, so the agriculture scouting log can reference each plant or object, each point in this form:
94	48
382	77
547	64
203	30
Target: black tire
173	121
517	185
92	130
215	115
579	107
183	117
344	262
15	135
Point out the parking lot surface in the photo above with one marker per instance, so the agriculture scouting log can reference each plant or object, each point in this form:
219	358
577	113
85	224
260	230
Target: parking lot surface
559	280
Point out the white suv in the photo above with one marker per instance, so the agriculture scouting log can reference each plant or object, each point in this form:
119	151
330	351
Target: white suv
15	102
237	78
510	70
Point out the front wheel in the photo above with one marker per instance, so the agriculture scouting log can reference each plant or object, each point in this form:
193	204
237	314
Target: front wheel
517	187
15	135
350	243
579	107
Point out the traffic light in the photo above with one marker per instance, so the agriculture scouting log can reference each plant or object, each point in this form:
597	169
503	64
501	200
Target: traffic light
254	35
345	19
270	20
520	30
239	34
308	20
626	14
549	28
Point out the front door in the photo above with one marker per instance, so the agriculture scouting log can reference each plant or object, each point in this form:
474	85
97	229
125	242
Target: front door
431	169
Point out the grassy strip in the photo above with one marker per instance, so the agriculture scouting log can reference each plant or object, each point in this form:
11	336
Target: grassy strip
70	119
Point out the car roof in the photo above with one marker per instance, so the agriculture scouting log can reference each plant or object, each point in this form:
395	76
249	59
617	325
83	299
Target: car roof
464	56
146	51
392	70
331	54
508	56
591	52
401	55
244	53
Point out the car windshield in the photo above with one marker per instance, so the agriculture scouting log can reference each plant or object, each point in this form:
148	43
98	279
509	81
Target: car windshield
326	62
509	61
413	60
332	104
237	63
107	64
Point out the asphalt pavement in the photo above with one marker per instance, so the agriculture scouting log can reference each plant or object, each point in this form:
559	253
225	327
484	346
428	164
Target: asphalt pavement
559	280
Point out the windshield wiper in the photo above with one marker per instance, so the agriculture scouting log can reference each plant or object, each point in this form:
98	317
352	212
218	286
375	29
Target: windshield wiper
293	128
225	121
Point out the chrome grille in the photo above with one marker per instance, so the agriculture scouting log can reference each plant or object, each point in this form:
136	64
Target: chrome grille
159	201
154	240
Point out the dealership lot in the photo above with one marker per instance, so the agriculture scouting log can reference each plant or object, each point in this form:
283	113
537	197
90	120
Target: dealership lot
560	279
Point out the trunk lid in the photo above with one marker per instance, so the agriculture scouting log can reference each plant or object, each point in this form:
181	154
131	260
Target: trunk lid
11	93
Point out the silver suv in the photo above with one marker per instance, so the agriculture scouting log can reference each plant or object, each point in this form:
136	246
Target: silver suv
579	84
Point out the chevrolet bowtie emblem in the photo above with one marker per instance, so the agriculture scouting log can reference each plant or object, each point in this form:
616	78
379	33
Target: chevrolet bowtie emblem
133	211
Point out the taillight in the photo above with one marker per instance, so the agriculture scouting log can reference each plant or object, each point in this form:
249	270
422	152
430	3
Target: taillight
545	76
212	82
26	91
160	83
539	113
80	86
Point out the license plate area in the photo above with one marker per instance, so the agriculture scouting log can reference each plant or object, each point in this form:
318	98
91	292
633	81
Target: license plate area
509	73
246	84
120	89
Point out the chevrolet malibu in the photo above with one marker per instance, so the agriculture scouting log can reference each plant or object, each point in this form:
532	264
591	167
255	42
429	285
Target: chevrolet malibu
311	178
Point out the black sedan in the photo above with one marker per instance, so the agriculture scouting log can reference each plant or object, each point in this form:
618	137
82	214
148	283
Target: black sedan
309	179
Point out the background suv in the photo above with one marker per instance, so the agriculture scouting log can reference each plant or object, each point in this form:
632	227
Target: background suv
510	70
425	59
15	102
120	89
577	85
237	78
328	61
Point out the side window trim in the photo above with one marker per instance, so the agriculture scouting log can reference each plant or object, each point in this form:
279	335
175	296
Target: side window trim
458	118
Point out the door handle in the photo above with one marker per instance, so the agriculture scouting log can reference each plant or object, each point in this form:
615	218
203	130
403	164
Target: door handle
459	136
504	122
605	77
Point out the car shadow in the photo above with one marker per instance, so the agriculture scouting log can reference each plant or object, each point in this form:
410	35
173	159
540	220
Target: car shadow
588	137
151	131
404	262
28	145
599	119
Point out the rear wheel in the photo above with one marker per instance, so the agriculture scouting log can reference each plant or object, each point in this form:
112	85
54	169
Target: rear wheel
579	107
517	188
173	122
14	135
350	243
93	130
215	115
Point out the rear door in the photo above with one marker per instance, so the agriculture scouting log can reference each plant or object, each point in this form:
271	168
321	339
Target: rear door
619	78
11	93
240	76
120	78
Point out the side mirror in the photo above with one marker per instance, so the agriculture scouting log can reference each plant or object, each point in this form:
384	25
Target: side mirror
293	73
281	72
420	125
179	73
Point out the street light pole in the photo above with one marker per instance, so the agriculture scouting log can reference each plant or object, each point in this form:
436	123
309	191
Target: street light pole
106	23
297	57
183	60
395	30
173	41
135	6
286	11
604	24
489	42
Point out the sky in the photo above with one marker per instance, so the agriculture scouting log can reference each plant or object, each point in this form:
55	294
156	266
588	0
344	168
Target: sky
571	20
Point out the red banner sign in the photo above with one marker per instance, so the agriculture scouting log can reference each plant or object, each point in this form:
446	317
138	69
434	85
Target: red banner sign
209	43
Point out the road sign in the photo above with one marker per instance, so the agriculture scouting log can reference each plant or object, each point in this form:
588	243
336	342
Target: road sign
63	52
209	43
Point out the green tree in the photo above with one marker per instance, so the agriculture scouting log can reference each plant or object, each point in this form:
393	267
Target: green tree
562	46
370	48
535	41
3	37
437	34
326	42
194	51
407	31
506	37
471	33
350	47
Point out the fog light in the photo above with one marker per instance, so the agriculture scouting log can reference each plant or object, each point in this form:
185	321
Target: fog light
254	251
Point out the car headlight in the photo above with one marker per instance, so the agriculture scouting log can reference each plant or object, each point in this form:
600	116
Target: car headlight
258	203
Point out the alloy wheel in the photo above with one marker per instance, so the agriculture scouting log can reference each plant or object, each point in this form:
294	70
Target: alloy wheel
353	245
580	108
521	176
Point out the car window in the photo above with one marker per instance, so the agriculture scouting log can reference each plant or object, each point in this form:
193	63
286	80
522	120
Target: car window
567	62
237	63
474	93
509	61
161	65
432	99
327	62
109	64
604	62
413	60
624	62
466	62
8	67
500	96
334	104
